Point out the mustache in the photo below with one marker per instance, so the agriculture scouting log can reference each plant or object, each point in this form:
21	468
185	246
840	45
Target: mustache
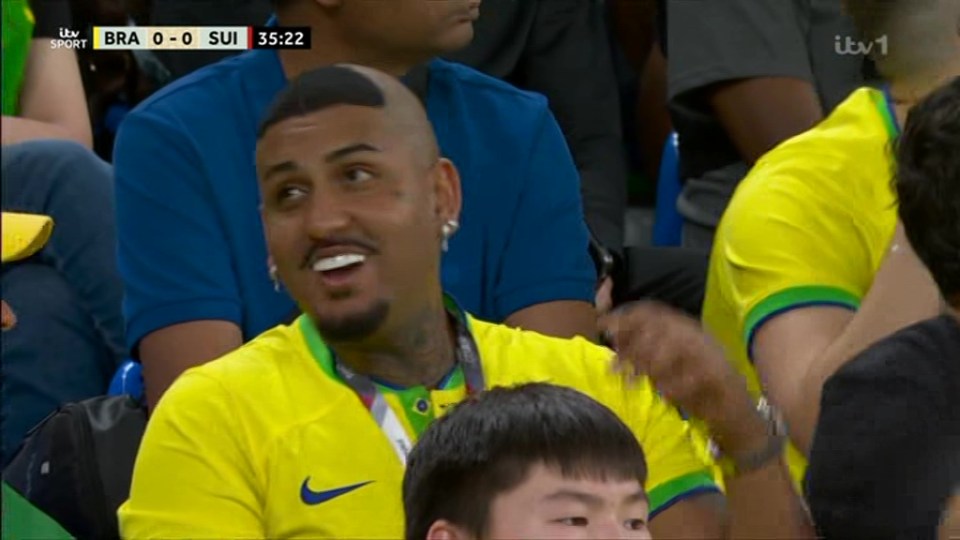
365	245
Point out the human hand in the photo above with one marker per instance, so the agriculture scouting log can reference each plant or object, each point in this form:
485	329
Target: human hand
604	297
688	369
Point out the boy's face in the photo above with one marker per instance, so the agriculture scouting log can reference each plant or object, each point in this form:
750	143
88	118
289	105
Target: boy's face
547	505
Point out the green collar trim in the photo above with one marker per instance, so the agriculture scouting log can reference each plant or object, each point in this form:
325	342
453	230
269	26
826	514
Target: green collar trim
884	104
324	357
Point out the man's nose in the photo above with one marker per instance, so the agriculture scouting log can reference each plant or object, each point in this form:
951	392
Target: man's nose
326	213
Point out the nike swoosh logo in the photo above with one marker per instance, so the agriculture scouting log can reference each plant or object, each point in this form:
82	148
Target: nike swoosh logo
308	496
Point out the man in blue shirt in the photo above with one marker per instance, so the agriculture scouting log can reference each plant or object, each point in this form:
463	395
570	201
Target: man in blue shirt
192	251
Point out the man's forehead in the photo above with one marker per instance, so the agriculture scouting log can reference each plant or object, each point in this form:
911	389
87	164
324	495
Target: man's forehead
329	127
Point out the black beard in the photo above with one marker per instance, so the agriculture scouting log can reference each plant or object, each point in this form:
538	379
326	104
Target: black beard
353	327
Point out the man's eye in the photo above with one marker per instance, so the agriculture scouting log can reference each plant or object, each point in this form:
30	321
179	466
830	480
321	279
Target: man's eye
635	524
357	175
574	521
289	193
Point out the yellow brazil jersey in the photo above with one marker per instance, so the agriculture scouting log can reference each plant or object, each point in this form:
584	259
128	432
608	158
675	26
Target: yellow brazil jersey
268	442
809	225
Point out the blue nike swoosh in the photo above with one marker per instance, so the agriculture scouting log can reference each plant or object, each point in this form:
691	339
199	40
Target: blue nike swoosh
308	496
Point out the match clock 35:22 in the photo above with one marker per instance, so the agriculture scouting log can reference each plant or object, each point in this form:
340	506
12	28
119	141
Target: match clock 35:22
275	37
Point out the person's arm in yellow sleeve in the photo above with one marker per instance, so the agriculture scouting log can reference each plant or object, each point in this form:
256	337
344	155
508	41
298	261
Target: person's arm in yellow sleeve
797	351
194	474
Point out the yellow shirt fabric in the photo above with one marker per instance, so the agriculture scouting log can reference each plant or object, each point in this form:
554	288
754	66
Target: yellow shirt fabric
809	225
234	444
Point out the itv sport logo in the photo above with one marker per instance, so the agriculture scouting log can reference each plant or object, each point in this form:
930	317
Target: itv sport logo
68	39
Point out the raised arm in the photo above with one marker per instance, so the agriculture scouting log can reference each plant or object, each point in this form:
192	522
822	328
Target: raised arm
690	371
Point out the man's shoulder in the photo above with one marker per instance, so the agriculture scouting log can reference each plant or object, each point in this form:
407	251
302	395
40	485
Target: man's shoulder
478	89
854	135
209	90
512	356
838	168
261	365
269	385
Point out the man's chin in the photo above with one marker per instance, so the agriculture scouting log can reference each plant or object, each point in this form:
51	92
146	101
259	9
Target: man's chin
352	326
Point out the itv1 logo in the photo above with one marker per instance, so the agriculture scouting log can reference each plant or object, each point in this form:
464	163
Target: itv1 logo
846	46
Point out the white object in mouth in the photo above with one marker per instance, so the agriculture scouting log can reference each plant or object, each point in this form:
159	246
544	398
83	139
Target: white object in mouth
338	261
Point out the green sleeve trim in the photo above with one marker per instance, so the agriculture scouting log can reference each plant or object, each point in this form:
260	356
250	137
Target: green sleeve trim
668	493
793	298
24	520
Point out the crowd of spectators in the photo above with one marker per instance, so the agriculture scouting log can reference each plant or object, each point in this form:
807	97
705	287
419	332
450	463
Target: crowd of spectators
402	283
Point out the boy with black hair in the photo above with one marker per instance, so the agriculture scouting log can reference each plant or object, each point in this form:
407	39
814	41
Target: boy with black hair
886	456
532	461
544	461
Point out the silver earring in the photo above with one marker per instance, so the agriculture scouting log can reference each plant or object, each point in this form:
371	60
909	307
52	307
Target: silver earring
447	230
273	277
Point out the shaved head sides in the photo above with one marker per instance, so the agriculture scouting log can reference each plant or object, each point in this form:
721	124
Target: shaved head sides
319	89
346	84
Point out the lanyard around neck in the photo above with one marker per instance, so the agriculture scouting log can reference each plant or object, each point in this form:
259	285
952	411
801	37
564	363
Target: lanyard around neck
466	357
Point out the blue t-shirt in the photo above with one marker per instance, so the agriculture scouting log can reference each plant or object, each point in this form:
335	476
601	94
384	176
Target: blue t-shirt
191	243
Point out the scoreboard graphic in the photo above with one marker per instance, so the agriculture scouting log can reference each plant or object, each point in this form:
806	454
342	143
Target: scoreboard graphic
199	38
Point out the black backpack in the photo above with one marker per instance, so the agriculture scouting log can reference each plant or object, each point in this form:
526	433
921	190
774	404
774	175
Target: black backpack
76	466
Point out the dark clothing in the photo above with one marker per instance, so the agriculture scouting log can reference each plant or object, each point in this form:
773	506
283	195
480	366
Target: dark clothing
50	16
674	276
560	48
67	298
712	42
203	13
886	454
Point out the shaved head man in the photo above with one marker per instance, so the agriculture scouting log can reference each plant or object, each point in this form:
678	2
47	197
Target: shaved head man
197	278
305	431
378	171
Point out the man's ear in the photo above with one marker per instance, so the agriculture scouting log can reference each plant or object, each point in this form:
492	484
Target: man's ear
444	530
447	190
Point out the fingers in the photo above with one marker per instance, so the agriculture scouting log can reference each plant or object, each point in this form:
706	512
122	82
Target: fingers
7	319
671	349
604	297
645	338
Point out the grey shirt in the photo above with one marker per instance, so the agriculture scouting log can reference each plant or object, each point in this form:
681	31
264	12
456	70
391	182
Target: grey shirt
561	49
712	41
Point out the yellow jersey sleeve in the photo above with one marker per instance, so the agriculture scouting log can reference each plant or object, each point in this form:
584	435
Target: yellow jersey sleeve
678	463
789	241
194	476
